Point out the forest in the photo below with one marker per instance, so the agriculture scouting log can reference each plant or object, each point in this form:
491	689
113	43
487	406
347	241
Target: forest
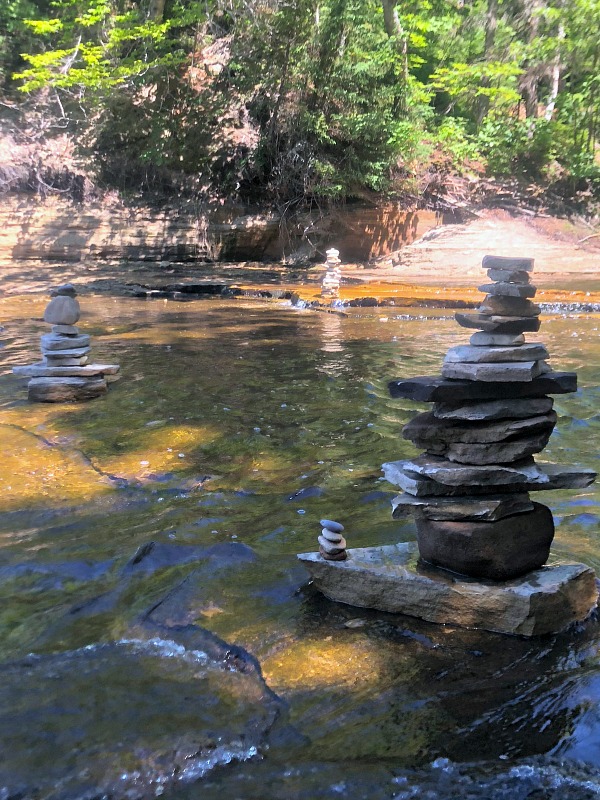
291	102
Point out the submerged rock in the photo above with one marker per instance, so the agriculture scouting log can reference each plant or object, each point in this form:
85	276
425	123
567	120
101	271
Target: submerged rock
77	720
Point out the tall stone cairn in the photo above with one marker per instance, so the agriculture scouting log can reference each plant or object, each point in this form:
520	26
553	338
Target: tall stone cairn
330	286
492	412
64	373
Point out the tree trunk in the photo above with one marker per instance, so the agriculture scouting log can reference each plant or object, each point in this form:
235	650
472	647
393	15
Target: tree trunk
491	24
531	77
556	68
393	28
156	10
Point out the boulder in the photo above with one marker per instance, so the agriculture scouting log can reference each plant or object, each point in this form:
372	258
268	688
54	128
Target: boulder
499	550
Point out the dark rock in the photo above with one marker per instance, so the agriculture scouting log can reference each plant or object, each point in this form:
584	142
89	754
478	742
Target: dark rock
434	388
502	306
497	452
489	508
506	289
64	290
509	275
303	494
158	709
499	550
498	324
508	262
430	476
157	555
426	428
494	409
55	575
341	556
62	390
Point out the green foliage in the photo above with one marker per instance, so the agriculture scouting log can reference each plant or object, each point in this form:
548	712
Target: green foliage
291	100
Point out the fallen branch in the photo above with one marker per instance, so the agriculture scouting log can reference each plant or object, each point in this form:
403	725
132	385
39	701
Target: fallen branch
585	238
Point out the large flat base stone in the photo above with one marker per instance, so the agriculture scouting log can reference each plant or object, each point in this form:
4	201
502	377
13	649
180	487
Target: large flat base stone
390	578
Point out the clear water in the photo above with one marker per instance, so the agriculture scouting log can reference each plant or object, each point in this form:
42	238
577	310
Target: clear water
247	422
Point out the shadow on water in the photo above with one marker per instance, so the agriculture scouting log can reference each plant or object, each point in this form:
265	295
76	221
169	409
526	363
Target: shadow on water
235	428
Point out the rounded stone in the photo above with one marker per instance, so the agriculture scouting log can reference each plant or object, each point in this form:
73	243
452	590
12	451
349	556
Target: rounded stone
64	290
332	547
331	536
336	527
62	310
330	557
498	551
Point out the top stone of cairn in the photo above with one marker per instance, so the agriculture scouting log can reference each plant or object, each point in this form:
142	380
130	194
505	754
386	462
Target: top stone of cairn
508	263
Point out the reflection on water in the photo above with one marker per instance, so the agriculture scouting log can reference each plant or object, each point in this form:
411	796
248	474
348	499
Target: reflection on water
245	423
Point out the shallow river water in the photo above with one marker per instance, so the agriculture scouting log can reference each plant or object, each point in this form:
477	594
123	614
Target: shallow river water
235	427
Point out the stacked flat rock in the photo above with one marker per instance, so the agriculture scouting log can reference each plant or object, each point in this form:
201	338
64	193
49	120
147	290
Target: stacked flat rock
469	491
332	545
333	275
64	373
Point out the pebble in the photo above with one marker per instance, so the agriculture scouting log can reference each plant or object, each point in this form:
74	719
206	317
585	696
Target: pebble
331	557
332	547
331	536
336	527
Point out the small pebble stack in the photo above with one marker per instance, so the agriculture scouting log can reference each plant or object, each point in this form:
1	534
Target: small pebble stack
333	275
332	545
469	491
64	373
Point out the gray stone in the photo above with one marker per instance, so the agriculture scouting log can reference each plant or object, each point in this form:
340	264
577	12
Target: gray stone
501	372
508	275
61	390
494	409
389	578
330	547
470	354
426	428
505	289
497	305
65	289
62	310
490	507
51	342
427	476
66	330
498	551
336	527
498	324
434	388
331	536
496	452
482	339
66	361
88	371
508	262
73	352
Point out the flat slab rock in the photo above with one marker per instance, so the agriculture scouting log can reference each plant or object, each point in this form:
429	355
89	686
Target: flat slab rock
389	578
42	370
501	372
498	324
490	355
427	476
427	429
485	509
507	289
435	388
494	409
508	262
64	390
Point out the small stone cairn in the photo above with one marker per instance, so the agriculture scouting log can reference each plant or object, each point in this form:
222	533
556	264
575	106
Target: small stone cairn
331	280
64	373
469	491
332	545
